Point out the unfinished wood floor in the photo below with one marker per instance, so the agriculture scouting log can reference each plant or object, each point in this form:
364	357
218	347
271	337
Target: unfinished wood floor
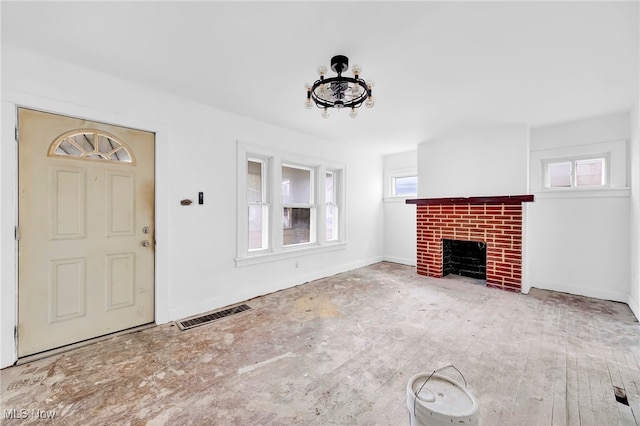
339	351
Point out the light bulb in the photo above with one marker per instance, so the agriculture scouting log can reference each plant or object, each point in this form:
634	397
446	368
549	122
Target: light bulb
356	69
322	70
355	89
353	113
325	113
370	102
308	87
370	83
308	105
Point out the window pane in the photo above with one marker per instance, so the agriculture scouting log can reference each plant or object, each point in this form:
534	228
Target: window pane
296	223
590	172
67	148
405	185
559	174
257	227
329	193
332	223
254	181
84	140
106	144
121	154
296	185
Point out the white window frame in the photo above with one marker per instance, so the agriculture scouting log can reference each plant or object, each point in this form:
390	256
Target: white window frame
389	179
265	203
573	180
615	153
333	203
276	250
311	204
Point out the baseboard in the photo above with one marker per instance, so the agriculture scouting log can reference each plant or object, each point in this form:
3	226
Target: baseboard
192	309
633	304
334	270
400	260
616	296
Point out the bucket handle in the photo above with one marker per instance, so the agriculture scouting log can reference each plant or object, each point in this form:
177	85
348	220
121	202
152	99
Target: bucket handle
428	378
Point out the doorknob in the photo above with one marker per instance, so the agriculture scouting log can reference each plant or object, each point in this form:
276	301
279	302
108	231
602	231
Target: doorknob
146	243
146	230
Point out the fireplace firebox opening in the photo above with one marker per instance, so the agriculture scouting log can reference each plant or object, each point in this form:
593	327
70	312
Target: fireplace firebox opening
464	258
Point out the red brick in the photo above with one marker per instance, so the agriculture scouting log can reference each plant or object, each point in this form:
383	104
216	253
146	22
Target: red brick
484	226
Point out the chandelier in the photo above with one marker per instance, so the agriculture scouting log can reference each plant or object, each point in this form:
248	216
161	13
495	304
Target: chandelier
340	92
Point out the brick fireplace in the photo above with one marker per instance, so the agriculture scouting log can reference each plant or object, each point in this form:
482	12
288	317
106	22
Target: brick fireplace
495	221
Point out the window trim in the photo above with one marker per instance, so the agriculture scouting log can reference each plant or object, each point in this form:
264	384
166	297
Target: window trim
573	181
312	204
389	180
276	250
403	175
616	168
334	202
96	154
266	197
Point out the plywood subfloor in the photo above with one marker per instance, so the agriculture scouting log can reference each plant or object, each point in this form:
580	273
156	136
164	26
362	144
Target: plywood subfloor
339	351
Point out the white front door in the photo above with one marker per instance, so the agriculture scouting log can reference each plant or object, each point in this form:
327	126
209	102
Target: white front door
86	230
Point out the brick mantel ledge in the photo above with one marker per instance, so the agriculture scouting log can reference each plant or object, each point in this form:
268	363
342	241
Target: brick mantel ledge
502	199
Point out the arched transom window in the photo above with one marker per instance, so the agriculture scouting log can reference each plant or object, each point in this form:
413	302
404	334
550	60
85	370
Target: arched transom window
91	144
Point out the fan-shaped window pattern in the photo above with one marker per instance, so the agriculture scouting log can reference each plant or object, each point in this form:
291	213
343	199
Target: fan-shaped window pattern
91	144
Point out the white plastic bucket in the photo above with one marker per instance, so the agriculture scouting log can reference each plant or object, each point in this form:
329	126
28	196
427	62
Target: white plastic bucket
436	400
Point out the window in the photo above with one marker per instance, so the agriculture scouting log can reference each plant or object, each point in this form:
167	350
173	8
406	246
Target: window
331	204
589	170
257	205
404	185
287	203
91	144
583	172
400	184
298	208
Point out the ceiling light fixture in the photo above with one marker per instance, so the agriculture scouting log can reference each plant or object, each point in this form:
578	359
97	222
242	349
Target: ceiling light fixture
340	92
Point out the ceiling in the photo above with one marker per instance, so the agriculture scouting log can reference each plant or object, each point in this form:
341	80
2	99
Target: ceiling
440	68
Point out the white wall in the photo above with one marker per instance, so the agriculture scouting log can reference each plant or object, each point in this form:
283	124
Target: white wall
399	217
634	212
196	150
485	163
578	241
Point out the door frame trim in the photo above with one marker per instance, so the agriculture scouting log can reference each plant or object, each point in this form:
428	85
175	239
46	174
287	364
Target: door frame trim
11	101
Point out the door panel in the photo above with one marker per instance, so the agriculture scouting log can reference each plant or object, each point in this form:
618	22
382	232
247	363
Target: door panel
68	202
68	289
122	203
120	280
86	192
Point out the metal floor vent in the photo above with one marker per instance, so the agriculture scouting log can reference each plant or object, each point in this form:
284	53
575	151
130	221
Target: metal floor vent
188	323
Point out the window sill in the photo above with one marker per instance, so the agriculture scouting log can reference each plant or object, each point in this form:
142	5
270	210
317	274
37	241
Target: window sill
584	193
398	198
288	253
